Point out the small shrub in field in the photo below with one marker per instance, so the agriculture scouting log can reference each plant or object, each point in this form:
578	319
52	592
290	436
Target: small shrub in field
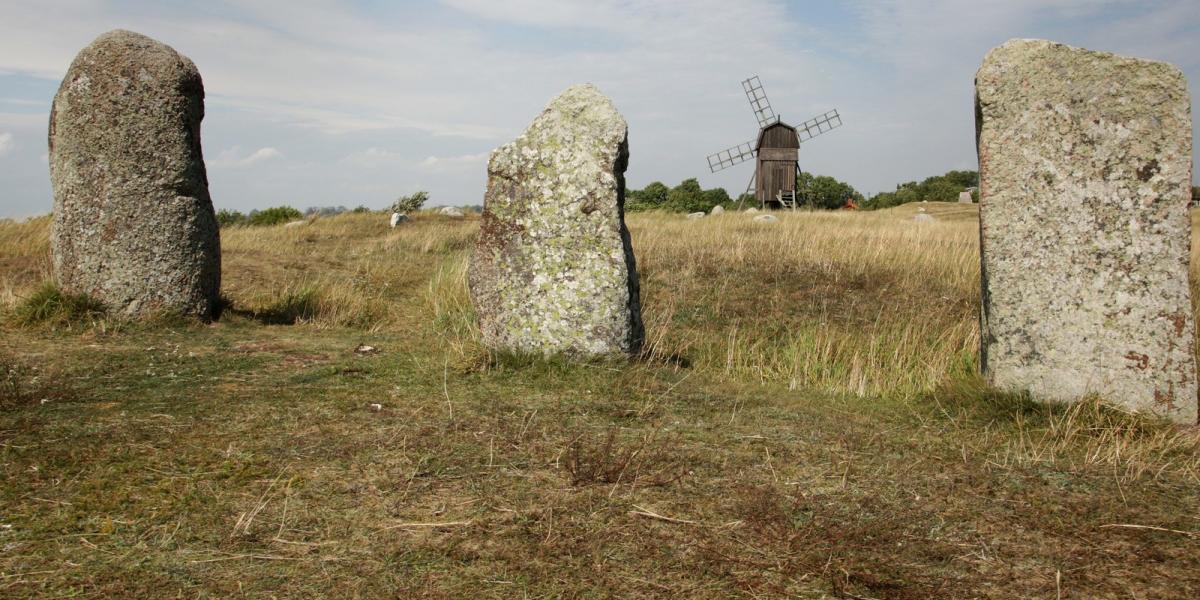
649	461
412	202
52	306
273	216
229	218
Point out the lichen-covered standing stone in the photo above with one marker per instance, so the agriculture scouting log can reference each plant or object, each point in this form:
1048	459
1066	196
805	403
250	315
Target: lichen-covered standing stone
553	270
1085	163
133	225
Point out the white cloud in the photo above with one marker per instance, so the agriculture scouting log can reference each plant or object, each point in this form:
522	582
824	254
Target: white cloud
452	162
232	158
373	158
6	143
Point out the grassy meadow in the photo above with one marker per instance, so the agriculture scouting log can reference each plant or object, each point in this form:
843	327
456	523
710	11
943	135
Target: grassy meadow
806	421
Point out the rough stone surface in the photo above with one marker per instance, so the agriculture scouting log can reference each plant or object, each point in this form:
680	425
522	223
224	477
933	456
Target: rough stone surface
553	270
133	225
1085	165
766	218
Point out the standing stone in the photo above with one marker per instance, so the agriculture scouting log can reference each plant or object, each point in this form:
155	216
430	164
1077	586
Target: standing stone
1085	163
133	225
965	198
553	270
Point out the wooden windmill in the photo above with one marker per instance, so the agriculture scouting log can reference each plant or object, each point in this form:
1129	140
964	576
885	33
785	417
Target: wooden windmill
777	149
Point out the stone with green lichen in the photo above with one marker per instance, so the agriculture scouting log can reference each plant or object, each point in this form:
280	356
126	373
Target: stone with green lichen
1085	164
553	270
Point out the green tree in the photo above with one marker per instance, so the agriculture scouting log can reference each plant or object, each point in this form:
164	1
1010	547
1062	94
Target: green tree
653	196
827	192
410	203
686	197
229	218
716	197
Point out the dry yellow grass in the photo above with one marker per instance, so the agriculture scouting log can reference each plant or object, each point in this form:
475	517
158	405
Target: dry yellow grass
253	458
867	303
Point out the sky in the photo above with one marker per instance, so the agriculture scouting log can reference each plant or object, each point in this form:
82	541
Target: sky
321	103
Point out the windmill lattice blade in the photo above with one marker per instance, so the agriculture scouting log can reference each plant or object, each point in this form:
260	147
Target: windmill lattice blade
730	157
758	102
816	126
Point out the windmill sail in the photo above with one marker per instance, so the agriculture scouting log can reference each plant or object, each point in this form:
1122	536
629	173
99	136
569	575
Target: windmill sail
758	102
818	125
732	156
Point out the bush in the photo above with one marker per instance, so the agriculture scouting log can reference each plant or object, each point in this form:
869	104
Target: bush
229	218
273	216
410	203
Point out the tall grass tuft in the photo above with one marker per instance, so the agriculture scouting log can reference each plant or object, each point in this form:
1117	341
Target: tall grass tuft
51	306
448	301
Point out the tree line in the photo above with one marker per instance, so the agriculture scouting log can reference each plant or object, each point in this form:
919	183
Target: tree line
817	191
939	188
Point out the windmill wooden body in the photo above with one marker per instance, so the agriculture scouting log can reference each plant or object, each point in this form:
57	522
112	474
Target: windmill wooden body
776	150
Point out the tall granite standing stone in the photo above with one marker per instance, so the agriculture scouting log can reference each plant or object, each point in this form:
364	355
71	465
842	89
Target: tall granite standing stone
1085	163
133	225
553	270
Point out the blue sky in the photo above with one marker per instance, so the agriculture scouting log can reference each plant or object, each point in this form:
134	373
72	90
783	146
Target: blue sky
348	103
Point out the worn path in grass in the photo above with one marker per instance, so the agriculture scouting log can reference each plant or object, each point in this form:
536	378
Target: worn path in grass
264	460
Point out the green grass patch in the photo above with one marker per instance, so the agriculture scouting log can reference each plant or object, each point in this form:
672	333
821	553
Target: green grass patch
49	305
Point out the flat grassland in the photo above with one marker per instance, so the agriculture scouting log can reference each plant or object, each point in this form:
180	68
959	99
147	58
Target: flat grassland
806	422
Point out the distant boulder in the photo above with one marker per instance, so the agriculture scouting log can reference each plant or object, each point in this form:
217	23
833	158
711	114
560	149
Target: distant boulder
696	215
716	210
766	218
450	211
